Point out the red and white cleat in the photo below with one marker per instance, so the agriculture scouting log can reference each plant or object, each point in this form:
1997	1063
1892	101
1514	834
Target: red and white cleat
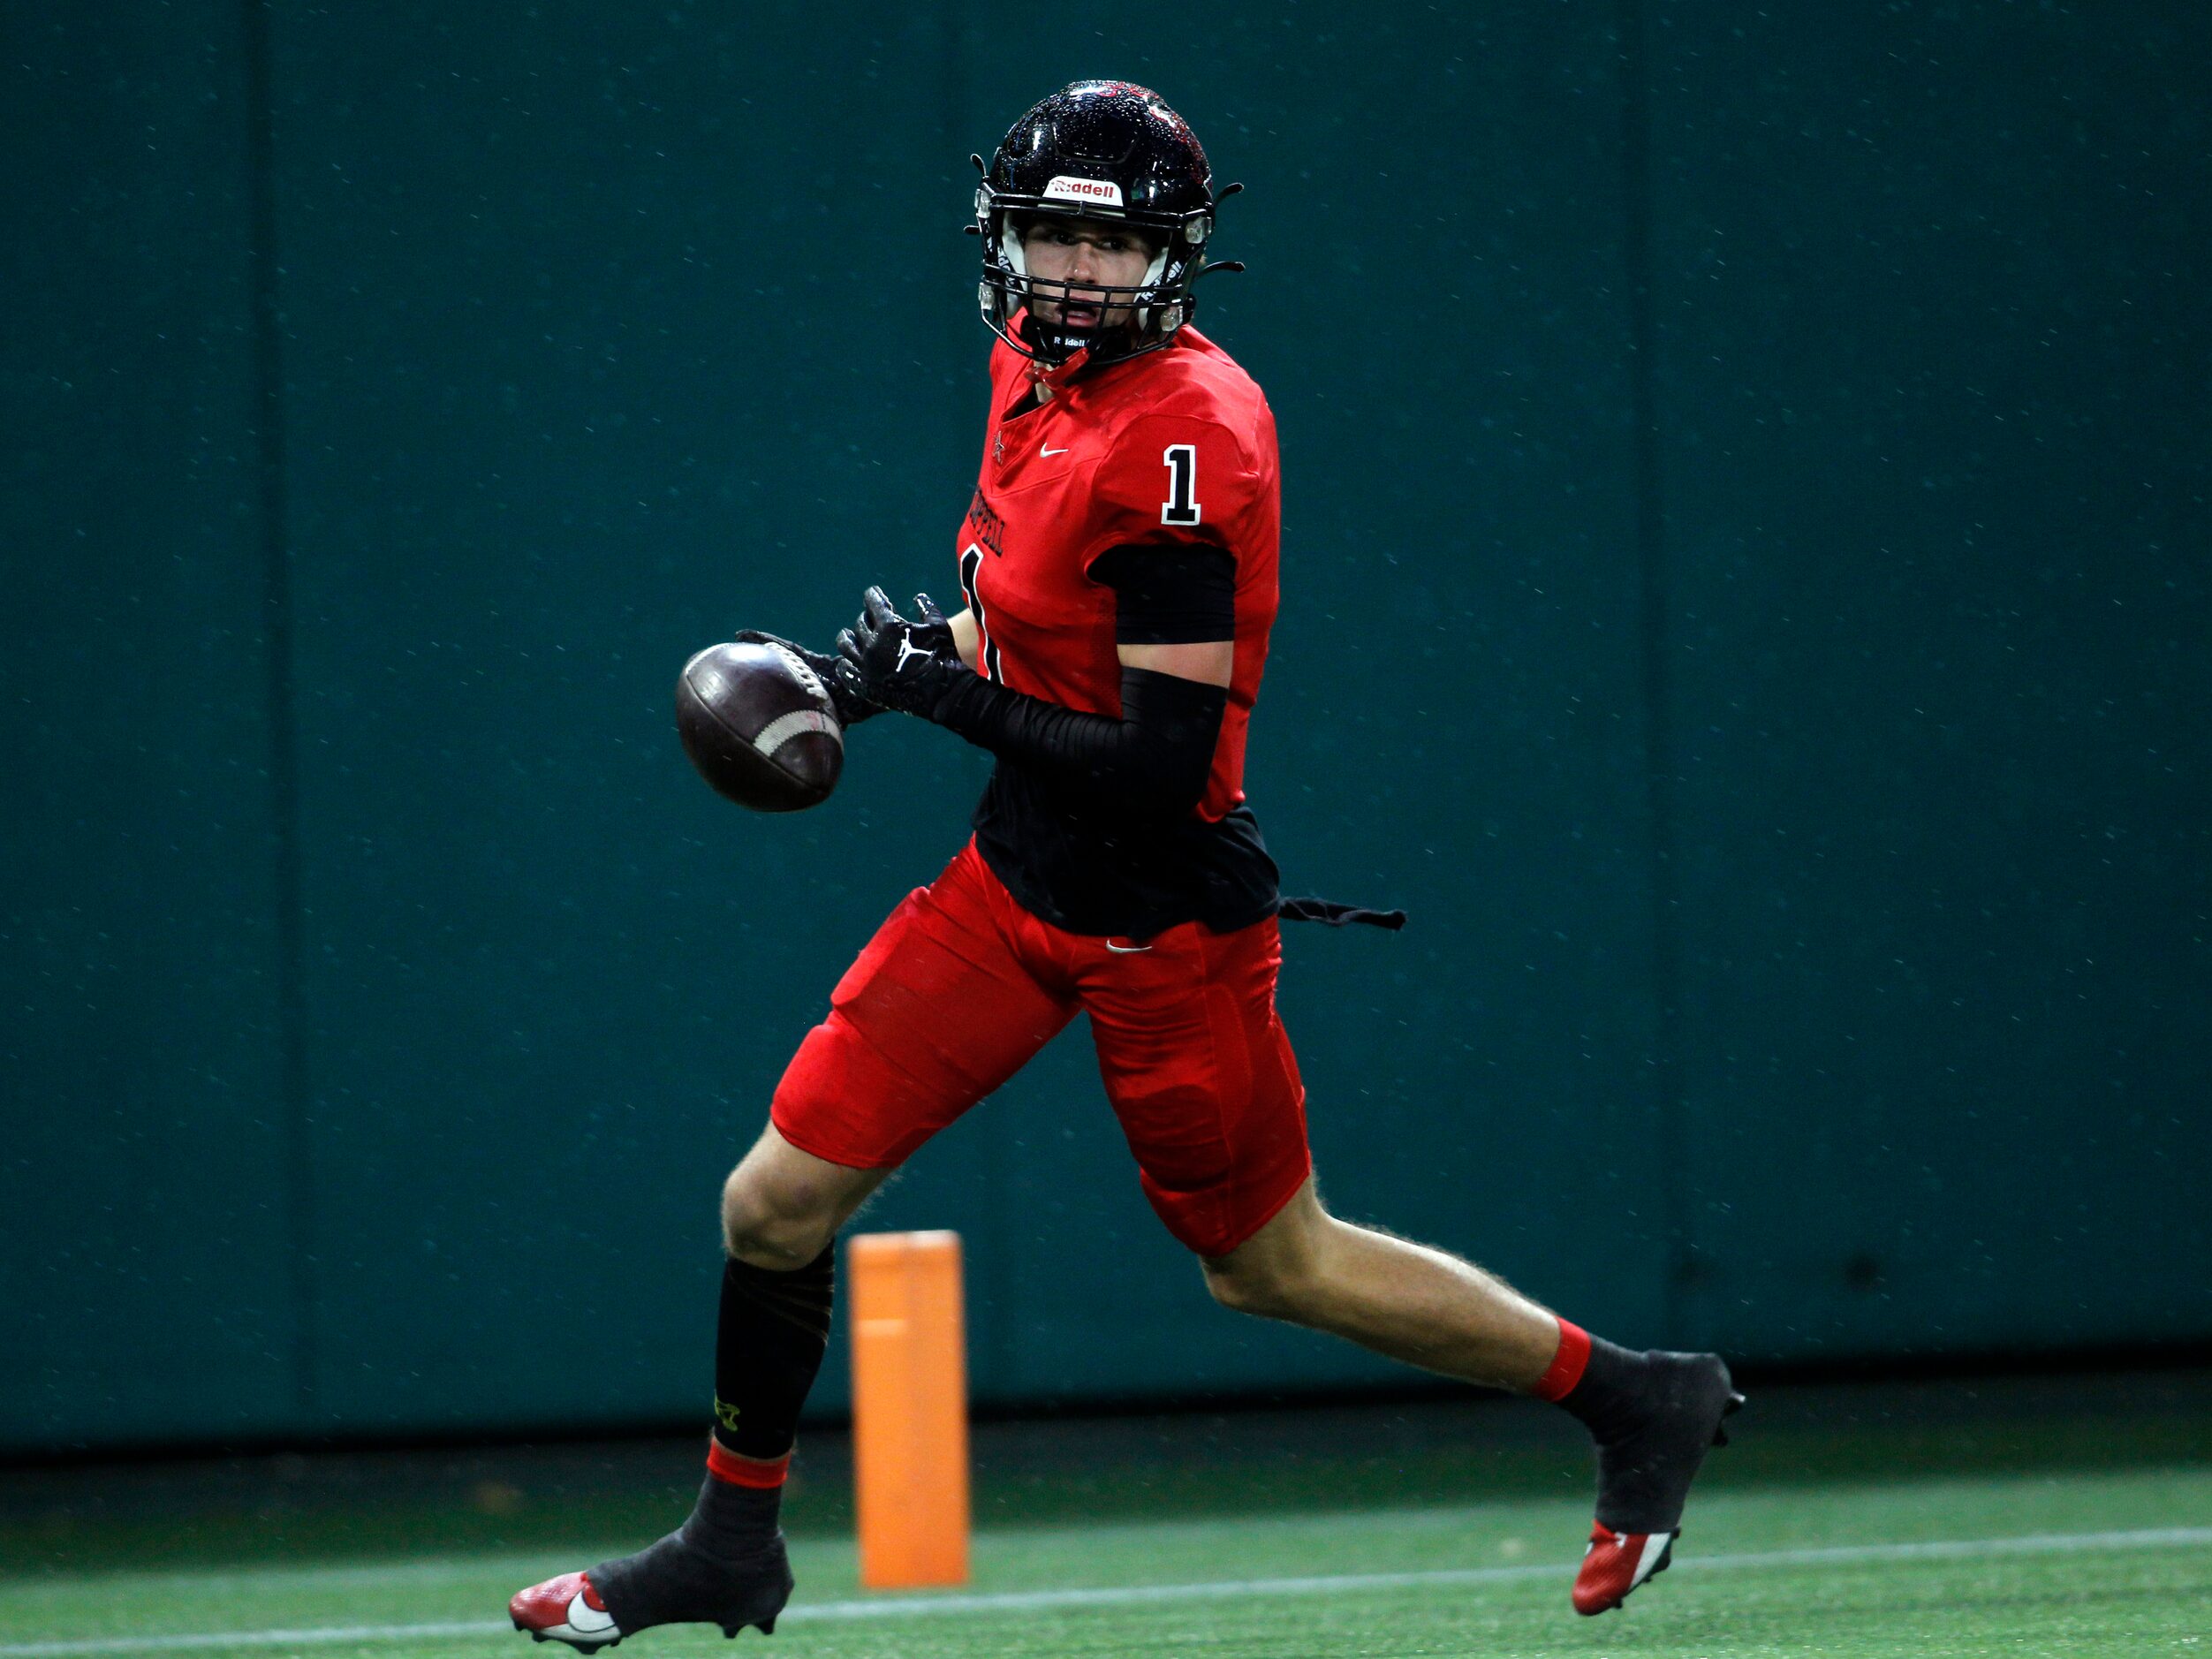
567	1609
1617	1562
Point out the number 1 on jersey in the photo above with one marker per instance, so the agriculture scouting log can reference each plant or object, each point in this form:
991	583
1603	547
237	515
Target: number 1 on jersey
1181	506
971	578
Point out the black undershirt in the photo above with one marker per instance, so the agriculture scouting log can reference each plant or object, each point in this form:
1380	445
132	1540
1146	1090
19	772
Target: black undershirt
1092	860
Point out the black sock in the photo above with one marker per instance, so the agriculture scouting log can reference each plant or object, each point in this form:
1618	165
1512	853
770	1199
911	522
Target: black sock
768	1347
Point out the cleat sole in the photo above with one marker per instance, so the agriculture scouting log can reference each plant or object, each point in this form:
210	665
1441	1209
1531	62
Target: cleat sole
580	1647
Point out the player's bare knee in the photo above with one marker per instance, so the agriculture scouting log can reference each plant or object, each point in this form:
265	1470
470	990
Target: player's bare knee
774	1242
1283	1271
771	1222
1266	1289
1229	1288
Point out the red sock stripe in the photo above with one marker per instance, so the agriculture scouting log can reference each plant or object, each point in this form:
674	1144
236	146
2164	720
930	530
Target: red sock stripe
1567	1365
753	1472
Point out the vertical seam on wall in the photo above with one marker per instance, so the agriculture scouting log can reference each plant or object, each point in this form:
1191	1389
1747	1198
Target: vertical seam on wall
1659	756
995	1264
283	756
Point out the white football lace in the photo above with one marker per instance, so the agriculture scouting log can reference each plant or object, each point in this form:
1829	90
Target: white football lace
803	670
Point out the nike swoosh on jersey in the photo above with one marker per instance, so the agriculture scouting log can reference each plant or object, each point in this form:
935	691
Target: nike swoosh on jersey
1127	950
1043	450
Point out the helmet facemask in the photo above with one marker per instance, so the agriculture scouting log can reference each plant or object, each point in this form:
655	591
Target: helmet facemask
1153	309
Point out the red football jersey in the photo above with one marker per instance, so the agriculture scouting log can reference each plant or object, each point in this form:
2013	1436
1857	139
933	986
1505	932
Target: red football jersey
1175	445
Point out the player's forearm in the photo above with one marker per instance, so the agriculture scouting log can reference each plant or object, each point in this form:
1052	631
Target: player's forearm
1156	757
967	637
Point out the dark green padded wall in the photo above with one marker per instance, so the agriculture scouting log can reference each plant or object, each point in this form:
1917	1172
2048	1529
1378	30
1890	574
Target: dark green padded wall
146	1204
1934	397
1800	802
585	374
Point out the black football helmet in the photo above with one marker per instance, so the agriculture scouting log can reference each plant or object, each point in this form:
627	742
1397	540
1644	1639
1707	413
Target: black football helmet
1097	149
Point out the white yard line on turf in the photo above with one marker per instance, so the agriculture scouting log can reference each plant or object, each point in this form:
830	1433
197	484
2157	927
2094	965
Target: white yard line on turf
1150	1594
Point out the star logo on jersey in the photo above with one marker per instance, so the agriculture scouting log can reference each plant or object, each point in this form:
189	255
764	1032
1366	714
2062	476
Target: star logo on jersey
998	448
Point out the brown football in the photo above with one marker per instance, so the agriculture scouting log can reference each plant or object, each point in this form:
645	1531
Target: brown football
756	722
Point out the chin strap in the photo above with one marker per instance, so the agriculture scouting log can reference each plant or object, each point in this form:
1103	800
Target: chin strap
1044	371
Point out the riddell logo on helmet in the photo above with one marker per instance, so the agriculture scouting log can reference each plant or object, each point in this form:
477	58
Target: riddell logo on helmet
1066	188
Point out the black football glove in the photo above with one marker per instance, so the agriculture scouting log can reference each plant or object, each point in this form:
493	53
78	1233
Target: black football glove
908	665
845	700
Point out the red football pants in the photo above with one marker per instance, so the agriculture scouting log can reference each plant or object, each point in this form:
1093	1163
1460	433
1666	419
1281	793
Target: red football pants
960	986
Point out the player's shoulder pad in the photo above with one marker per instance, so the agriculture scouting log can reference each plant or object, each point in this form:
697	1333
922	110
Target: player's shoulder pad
1142	447
1198	381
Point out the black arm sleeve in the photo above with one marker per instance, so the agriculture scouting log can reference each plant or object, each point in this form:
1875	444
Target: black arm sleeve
1156	758
1176	593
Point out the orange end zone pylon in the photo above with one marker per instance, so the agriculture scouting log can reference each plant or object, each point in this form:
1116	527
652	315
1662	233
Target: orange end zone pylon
910	1457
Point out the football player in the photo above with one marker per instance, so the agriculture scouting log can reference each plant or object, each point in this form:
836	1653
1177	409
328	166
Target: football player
1117	567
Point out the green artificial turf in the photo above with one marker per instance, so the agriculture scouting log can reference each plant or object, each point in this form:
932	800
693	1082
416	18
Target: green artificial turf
2088	1600
359	1506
